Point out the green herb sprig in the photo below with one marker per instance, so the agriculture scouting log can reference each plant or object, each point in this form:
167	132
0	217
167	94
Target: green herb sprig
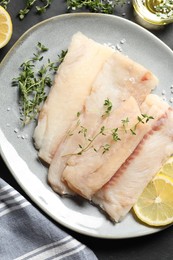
32	82
4	3
108	107
90	140
143	118
97	6
30	3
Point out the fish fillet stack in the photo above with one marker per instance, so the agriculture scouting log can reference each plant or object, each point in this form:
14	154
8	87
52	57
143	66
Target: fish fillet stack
105	152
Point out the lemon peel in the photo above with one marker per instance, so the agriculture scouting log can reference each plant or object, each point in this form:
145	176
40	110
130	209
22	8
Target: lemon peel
6	27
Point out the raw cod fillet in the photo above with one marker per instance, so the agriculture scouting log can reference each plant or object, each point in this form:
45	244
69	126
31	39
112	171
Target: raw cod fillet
118	196
72	85
119	79
87	173
83	173
60	162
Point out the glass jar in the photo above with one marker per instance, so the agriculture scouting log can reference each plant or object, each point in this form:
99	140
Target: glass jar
154	13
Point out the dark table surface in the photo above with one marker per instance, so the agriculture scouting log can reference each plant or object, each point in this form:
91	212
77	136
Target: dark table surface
152	247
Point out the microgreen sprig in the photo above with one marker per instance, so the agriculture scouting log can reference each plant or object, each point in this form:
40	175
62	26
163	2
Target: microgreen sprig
30	3
4	3
98	6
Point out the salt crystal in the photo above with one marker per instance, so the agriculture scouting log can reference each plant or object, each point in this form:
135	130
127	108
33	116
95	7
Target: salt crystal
26	136
118	47
16	130
163	92
123	41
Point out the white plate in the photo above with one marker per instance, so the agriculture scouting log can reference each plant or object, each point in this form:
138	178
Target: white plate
20	155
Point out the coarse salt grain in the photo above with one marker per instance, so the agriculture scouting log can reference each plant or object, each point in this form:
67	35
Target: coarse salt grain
26	136
163	92
118	47
123	41
16	130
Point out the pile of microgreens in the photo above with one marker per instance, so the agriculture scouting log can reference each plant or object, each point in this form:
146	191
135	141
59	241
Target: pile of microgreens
32	82
97	6
143	118
40	8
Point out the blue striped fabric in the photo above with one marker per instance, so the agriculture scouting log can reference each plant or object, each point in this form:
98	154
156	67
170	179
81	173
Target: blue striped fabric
25	233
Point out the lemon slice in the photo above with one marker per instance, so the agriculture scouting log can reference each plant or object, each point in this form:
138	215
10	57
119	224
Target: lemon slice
6	27
167	168
155	205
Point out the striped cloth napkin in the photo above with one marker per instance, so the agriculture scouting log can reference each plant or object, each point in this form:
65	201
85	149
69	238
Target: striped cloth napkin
27	234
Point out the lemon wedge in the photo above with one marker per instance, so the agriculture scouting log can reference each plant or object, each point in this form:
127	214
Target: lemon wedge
167	168
155	205
6	27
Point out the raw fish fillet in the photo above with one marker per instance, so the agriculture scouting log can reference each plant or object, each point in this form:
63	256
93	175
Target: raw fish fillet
61	159
118	196
82	172
72	85
128	77
119	79
87	173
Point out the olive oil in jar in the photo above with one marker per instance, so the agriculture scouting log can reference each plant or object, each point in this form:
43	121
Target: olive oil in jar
162	8
154	12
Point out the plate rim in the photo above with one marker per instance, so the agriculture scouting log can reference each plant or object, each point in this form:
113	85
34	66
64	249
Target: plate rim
61	16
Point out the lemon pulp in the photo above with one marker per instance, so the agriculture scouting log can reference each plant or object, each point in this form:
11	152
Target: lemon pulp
6	27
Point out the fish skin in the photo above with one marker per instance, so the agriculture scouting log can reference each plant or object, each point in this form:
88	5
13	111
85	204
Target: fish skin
118	196
71	86
108	85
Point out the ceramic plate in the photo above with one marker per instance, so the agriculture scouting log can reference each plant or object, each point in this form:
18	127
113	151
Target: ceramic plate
16	143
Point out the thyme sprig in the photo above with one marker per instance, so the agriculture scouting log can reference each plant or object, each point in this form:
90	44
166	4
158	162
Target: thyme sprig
125	124
114	133
90	140
108	107
144	118
32	82
97	6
